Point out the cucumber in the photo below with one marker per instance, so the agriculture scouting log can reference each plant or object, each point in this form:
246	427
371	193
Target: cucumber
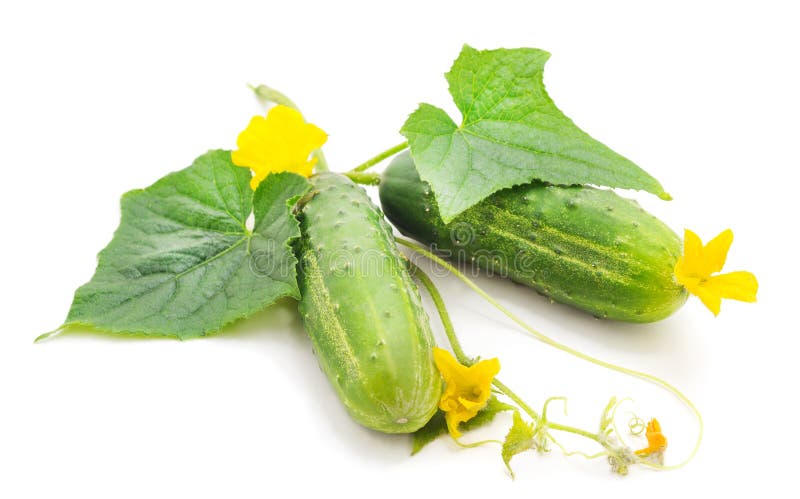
362	310
581	246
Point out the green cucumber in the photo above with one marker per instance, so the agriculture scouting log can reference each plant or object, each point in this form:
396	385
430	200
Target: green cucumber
586	247
362	310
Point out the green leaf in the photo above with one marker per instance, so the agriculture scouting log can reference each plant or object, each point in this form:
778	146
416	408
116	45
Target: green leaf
519	439
437	426
511	133
183	262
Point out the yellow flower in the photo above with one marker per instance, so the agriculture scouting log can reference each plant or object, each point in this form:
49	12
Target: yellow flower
468	388
698	262
656	441
280	142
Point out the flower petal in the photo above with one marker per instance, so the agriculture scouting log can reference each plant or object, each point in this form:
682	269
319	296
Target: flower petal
739	285
467	389
689	264
695	268
452	421
469	405
656	441
485	370
710	298
716	251
281	141
450	369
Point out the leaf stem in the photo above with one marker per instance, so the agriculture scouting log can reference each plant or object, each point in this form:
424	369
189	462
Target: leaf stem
570	429
576	453
268	95
513	396
380	157
564	348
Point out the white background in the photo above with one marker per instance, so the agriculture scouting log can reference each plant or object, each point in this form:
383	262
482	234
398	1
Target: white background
97	99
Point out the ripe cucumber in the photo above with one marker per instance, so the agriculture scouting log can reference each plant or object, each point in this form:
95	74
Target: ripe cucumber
362	310
585	247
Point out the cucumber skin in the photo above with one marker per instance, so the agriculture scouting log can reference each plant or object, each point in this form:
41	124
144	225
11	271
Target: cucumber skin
581	246
362	311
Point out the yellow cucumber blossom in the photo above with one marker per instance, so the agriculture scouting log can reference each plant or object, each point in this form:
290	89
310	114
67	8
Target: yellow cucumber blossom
468	388
698	262
280	142
656	441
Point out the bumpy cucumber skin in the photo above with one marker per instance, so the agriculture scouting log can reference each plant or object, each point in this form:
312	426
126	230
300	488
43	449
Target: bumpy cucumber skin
362	311
585	247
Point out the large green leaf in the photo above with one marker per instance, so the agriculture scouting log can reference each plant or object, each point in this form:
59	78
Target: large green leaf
511	133
183	262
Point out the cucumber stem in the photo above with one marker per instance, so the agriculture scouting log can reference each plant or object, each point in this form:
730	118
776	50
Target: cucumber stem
322	163
564	348
380	157
366	178
438	302
268	95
